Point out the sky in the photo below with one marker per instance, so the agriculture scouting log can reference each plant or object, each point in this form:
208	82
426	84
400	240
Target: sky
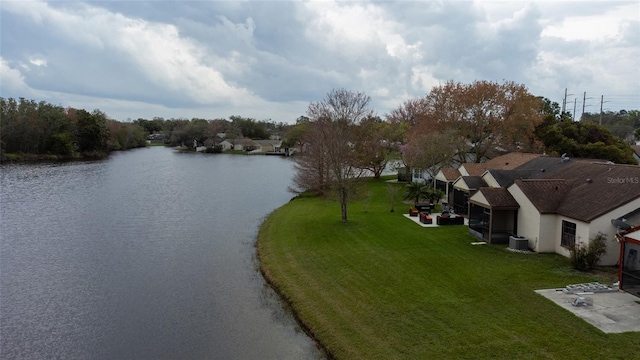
268	60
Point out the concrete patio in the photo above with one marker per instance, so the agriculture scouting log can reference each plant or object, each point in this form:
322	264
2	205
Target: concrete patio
611	312
416	219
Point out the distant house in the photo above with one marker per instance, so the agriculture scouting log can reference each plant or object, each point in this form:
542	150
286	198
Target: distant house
444	181
242	144
270	146
556	208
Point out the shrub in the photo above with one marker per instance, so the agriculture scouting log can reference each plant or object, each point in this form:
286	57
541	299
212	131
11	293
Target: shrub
586	257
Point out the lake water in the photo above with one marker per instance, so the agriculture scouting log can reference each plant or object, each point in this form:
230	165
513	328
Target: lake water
146	255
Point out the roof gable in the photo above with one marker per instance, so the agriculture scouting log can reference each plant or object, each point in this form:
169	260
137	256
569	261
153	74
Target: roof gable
448	174
496	198
472	169
545	194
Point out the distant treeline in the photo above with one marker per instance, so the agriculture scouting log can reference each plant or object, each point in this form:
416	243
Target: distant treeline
46	130
207	132
40	128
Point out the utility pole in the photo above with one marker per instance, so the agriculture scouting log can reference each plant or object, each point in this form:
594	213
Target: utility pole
584	103
575	102
564	103
601	102
601	109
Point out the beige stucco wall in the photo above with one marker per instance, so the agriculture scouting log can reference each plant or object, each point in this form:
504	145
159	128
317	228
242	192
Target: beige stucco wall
582	234
549	233
490	180
528	218
544	231
603	225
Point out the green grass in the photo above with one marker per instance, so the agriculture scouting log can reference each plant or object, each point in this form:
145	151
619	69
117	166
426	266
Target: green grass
382	287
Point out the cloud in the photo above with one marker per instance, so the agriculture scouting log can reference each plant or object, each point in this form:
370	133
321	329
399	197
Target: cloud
269	59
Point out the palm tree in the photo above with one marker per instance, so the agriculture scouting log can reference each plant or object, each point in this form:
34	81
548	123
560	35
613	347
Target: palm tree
417	191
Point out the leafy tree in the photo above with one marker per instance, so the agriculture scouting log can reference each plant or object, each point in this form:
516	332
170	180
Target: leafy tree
124	136
250	128
580	139
91	130
294	136
417	191
485	116
622	124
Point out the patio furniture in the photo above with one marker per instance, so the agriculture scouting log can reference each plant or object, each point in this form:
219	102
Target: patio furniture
425	218
450	220
424	208
413	212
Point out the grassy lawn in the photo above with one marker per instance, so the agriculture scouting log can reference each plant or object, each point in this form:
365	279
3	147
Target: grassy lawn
382	287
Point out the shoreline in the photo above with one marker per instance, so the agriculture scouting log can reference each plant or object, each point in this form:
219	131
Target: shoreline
266	275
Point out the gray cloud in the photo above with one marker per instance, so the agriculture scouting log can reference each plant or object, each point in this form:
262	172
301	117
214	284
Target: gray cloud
270	59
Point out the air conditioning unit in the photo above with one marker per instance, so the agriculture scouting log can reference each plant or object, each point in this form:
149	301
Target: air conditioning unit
518	243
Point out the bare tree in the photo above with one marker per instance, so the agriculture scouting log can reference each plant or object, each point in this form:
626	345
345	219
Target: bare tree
375	144
430	152
331	155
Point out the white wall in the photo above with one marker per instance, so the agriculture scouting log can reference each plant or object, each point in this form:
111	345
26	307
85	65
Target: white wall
528	218
603	225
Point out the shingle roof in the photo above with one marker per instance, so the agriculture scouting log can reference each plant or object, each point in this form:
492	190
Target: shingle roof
475	169
545	194
499	198
450	173
474	182
511	160
596	189
507	177
504	162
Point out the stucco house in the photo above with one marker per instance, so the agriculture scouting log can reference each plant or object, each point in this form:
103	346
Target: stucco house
471	176
269	146
444	181
556	209
245	144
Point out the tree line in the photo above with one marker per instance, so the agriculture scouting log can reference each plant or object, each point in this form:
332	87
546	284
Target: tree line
341	139
40	128
181	131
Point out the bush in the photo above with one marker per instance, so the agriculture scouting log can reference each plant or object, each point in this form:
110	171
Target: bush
586	257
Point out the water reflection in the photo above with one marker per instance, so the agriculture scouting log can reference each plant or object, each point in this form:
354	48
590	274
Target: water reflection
146	255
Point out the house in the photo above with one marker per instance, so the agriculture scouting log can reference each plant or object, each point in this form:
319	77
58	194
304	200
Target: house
471	176
245	144
269	146
444	181
629	261
558	209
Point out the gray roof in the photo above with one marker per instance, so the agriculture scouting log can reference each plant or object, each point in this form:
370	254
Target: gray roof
474	182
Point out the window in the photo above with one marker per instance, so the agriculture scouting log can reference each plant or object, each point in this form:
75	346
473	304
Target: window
568	234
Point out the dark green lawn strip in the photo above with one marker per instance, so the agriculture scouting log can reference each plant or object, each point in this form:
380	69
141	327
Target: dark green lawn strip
381	287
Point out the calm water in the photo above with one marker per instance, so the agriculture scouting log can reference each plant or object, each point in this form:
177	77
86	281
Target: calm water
146	255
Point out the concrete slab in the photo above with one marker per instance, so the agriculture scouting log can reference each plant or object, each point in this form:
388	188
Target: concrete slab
416	220
611	312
